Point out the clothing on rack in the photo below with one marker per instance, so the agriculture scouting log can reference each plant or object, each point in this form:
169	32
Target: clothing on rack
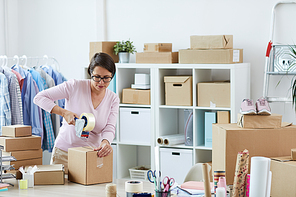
5	113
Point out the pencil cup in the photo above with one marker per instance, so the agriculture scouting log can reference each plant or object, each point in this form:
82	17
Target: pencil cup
162	193
23	184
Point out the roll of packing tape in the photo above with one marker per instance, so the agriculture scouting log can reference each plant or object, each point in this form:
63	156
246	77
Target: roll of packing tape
133	187
90	121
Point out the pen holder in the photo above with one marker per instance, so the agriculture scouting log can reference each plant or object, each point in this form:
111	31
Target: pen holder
162	193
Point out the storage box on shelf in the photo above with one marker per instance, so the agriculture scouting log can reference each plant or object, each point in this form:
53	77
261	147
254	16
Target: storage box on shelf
171	119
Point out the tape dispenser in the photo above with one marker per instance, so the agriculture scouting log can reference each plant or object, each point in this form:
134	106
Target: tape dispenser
84	125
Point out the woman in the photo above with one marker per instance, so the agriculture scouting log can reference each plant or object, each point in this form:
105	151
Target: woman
84	96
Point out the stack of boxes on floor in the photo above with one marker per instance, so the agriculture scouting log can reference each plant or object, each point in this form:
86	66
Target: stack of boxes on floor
261	135
157	53
19	142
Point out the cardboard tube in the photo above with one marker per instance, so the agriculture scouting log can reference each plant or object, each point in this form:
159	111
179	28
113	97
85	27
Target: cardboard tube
206	178
159	140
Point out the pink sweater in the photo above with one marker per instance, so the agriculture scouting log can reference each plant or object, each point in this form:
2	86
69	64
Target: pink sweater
77	94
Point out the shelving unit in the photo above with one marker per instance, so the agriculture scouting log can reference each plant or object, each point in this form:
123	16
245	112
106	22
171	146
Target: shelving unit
170	119
5	167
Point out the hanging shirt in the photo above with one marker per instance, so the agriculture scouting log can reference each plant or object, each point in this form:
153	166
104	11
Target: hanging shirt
19	78
19	98
77	94
14	105
31	111
58	79
48	136
5	113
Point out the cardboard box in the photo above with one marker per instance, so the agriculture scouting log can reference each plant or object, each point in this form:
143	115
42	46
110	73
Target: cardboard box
210	56
86	168
135	96
178	90
223	117
50	175
157	57
293	154
21	143
105	47
259	121
211	42
25	154
213	94
27	162
229	139
283	182
17	130
158	47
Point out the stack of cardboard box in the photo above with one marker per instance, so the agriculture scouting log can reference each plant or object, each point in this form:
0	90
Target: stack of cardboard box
19	142
157	53
211	49
261	135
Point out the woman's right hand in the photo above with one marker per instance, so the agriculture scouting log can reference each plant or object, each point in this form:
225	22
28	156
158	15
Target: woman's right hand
69	117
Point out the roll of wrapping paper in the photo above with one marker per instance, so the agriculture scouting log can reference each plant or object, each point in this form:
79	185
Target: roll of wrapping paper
247	190
171	139
206	177
241	170
217	174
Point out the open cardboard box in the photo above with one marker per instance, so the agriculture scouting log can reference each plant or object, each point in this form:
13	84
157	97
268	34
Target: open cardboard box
229	139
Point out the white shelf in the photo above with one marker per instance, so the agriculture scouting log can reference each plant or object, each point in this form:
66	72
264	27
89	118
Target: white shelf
170	119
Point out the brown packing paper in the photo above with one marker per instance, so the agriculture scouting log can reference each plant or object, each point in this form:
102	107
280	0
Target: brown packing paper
241	170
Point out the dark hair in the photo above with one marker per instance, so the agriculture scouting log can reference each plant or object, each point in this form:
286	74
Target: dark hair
103	60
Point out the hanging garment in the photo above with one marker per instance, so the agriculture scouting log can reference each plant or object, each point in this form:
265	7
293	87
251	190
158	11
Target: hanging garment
50	83
5	113
19	78
31	111
14	105
48	135
19	98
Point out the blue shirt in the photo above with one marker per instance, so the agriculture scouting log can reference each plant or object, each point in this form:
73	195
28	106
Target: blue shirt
31	112
5	112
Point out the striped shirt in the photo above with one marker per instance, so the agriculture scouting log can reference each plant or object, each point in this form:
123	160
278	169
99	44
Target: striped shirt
5	113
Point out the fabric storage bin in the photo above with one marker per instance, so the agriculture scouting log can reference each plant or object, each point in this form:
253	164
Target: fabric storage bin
175	163
134	125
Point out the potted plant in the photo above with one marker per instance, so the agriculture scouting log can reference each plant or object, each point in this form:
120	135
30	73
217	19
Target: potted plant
123	49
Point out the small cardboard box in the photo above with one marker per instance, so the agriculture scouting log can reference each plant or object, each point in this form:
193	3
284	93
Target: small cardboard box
213	94
211	42
223	117
157	57
283	182
26	162
229	139
21	143
25	154
105	47
259	121
86	168
210	56
17	130
158	47
135	96
50	175
178	90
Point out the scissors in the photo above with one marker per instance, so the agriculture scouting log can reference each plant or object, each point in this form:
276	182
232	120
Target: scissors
150	175
168	183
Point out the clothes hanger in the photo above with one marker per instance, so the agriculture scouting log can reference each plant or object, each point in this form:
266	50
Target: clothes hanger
45	57
17	59
2	58
24	57
6	60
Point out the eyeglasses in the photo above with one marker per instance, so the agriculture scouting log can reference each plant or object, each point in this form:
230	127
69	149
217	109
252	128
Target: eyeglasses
98	79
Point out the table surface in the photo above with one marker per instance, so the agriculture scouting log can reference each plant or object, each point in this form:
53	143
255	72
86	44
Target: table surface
70	189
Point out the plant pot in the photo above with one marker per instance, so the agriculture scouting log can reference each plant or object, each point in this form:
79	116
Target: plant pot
124	57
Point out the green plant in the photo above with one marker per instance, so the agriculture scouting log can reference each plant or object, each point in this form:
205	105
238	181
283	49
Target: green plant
124	46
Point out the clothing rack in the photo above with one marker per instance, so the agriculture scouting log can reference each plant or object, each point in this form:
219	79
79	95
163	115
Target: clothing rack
16	58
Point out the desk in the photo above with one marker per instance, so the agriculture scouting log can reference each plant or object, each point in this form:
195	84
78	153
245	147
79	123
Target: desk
70	189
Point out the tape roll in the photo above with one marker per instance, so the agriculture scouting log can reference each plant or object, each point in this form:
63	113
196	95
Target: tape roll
90	121
134	186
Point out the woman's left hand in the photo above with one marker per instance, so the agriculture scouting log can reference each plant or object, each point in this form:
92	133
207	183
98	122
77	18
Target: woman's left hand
104	149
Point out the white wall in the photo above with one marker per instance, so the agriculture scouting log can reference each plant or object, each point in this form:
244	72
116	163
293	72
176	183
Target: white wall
63	29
